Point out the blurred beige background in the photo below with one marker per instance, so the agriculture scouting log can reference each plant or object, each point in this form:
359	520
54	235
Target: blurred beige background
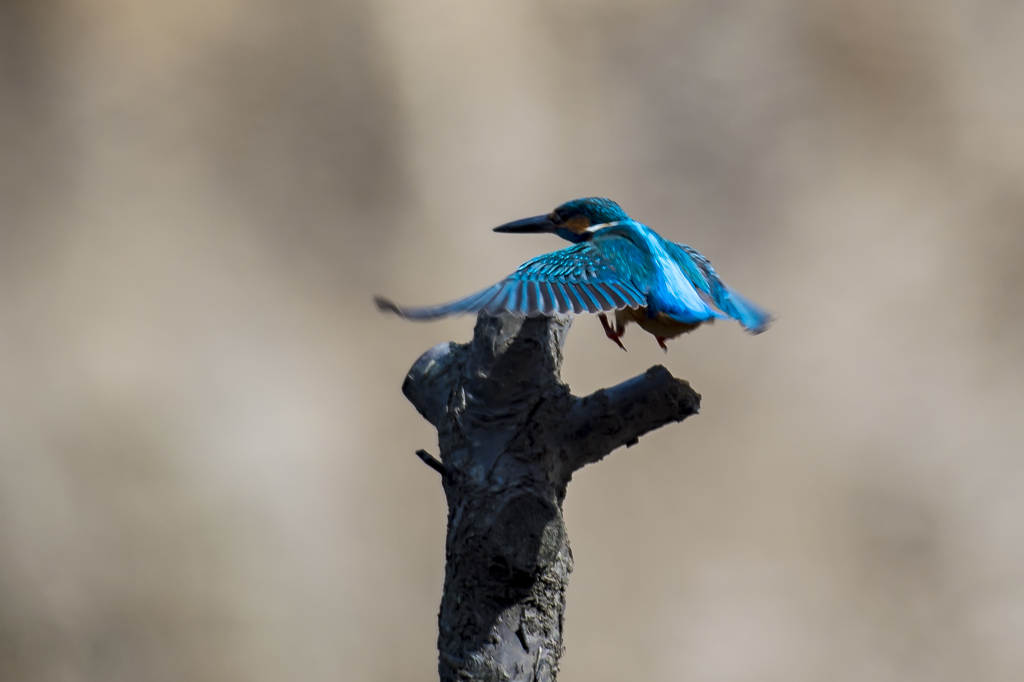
206	463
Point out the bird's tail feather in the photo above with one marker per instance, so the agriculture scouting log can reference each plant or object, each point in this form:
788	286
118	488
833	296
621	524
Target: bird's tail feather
752	316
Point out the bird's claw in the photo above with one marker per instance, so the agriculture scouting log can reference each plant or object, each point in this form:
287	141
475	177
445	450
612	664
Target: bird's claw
610	332
661	342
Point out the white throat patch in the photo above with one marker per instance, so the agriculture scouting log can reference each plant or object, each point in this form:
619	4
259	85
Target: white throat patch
601	226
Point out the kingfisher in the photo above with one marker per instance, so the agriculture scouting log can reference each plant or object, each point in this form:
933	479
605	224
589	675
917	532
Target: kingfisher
615	265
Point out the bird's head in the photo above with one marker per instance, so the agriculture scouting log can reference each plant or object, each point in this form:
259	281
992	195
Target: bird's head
575	220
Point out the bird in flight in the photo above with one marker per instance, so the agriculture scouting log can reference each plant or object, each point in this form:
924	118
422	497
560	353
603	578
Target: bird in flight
614	265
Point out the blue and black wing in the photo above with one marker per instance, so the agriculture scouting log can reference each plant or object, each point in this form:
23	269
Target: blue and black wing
702	275
574	280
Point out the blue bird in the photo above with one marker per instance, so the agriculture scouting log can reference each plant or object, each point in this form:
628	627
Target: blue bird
615	264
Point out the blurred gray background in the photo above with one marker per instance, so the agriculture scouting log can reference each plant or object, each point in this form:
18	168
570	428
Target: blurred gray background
206	462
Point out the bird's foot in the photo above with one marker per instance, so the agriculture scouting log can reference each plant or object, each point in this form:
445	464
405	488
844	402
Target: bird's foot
661	342
609	332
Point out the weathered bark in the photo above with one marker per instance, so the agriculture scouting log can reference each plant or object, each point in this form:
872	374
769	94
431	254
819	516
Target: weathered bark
511	435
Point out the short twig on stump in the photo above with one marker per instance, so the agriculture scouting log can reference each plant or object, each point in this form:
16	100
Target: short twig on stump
511	435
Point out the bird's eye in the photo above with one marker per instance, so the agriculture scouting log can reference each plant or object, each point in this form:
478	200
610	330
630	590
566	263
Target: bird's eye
555	218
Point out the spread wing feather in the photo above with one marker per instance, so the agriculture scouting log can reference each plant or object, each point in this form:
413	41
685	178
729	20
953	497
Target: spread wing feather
577	279
702	275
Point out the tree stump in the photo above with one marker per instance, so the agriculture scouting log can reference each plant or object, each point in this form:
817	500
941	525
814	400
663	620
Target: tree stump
511	435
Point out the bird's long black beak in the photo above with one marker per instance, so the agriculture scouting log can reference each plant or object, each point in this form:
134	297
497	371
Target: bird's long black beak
536	224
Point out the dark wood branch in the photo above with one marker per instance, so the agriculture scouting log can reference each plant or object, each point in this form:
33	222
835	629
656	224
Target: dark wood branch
510	436
612	417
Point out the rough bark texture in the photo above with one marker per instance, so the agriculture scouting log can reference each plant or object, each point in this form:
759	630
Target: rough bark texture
511	435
